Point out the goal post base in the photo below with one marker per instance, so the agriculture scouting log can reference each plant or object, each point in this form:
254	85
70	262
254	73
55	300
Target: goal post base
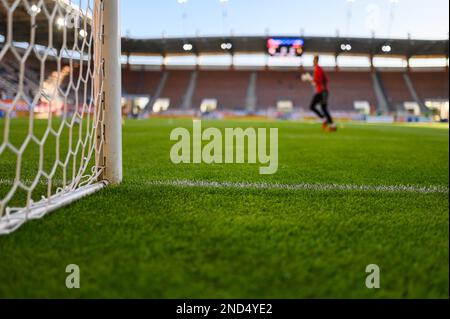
10	223
69	74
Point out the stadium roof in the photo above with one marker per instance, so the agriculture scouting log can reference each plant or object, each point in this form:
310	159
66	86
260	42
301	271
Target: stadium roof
22	20
257	44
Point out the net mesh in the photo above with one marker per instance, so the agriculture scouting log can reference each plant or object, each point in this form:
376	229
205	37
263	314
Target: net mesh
51	102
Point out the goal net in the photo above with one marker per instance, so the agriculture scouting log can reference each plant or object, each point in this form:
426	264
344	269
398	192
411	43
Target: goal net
59	104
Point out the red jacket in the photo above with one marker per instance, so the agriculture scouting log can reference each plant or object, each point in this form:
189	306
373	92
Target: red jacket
320	80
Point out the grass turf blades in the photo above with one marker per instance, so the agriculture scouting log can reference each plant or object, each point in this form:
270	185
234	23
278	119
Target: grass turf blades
145	240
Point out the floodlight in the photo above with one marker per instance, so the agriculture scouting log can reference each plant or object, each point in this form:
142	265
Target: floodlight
83	33
346	47
34	9
187	47
226	46
60	22
386	48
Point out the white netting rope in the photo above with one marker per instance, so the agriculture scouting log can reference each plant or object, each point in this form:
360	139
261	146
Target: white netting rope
51	101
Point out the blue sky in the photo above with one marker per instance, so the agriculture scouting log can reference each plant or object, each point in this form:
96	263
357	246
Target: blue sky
426	19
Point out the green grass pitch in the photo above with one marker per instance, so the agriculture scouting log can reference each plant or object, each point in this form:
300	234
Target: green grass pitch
143	240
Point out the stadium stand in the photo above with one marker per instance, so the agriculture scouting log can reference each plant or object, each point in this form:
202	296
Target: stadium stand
396	89
175	88
10	74
41	93
140	82
234	89
346	87
228	87
431	85
273	86
382	89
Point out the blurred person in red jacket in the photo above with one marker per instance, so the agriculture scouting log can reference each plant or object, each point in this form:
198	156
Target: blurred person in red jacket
320	81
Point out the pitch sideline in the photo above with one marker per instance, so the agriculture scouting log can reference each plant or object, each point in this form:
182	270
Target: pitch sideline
303	186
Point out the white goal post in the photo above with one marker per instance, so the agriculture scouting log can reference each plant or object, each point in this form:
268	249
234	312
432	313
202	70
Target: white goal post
60	104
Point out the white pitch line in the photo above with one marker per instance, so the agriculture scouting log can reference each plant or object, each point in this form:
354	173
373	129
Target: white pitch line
304	186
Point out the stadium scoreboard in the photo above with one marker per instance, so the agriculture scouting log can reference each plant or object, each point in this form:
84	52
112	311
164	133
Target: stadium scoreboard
285	47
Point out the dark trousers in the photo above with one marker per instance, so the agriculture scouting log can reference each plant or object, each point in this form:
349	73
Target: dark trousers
322	99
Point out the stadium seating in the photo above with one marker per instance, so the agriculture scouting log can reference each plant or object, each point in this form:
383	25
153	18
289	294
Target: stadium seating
228	87
430	85
346	87
10	70
175	88
273	86
140	82
39	91
395	88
